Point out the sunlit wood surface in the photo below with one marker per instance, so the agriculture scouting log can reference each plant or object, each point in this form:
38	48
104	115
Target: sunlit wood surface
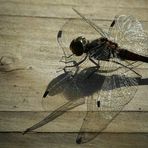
29	56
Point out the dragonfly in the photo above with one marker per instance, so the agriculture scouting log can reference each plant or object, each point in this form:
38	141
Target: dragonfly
99	70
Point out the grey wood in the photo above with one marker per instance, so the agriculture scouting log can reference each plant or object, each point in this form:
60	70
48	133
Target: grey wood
66	140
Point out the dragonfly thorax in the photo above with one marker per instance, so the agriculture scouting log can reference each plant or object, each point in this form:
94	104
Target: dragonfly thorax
99	49
78	45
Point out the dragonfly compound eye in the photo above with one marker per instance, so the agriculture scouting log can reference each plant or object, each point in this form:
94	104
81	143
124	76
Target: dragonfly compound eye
77	46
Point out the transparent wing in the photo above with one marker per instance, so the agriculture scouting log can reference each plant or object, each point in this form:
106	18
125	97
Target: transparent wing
77	27
117	90
74	28
69	89
66	34
128	32
71	30
66	88
93	25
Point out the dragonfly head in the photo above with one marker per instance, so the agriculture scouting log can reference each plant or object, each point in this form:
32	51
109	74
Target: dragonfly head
78	45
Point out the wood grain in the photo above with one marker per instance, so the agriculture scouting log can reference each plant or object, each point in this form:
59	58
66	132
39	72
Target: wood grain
62	9
29	56
30	59
130	122
66	140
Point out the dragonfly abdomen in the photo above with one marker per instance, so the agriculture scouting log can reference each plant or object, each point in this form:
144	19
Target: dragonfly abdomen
127	55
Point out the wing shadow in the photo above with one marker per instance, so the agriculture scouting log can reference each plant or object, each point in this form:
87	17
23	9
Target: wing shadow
87	86
74	90
70	86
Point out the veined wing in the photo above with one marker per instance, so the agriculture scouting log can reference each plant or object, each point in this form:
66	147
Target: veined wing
65	86
128	32
93	25
74	28
72	89
117	91
66	34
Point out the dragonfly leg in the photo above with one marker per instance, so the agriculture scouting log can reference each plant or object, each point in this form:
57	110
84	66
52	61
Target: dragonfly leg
97	64
96	67
67	62
75	64
65	59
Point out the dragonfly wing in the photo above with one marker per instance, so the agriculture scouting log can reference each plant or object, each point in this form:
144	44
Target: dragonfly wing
93	25
70	31
117	90
74	28
128	32
58	112
65	86
92	123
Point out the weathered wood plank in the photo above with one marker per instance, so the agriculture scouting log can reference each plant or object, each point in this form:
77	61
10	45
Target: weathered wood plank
130	122
30	60
31	36
66	140
62	9
96	3
33	40
23	91
28	56
36	31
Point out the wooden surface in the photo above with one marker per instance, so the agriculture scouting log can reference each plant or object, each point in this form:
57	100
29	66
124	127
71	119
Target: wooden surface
29	59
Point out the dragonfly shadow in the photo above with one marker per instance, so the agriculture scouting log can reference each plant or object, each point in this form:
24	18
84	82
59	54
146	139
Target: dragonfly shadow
83	85
74	89
144	81
77	87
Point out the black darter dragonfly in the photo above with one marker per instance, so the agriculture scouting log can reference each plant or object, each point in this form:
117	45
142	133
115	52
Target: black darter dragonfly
116	54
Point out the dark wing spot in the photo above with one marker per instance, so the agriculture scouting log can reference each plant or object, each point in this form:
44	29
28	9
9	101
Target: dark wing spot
98	103
113	23
59	34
